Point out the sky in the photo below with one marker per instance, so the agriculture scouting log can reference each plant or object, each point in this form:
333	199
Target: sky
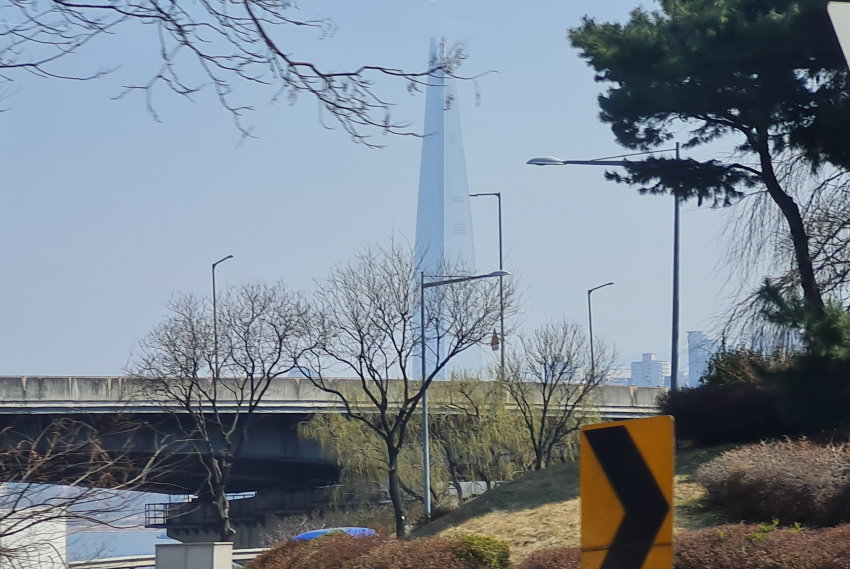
107	213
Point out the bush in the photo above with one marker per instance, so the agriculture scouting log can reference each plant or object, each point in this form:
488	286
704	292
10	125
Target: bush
491	552
559	558
815	394
763	547
791	481
815	388
342	551
727	413
330	551
334	550
422	553
278	557
734	547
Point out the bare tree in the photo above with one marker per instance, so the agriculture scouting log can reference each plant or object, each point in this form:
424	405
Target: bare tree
75	468
219	44
262	329
548	378
367	329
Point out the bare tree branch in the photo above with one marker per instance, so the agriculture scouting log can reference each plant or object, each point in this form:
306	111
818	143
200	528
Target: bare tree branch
548	379
217	44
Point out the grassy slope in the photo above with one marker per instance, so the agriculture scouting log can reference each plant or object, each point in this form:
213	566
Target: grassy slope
541	510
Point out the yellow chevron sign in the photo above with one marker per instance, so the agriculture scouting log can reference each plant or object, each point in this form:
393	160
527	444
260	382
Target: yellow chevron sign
626	482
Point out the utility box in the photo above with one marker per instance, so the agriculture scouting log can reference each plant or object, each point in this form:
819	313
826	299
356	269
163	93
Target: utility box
210	555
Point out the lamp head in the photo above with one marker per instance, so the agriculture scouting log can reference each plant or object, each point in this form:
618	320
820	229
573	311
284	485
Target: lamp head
546	161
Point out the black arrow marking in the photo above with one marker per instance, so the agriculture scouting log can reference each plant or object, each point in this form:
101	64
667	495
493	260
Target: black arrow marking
644	505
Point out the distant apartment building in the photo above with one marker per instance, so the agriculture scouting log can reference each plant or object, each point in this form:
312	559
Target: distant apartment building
650	372
700	350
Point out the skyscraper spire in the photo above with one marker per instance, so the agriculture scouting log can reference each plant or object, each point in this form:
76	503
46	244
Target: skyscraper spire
444	235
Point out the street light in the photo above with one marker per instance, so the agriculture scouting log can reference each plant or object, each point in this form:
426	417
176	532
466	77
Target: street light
426	452
215	318
674	340
501	282
590	326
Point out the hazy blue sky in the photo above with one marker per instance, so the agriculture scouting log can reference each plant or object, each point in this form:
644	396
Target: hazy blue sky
107	213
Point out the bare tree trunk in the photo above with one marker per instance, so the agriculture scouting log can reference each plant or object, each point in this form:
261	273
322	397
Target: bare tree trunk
538	458
395	492
221	468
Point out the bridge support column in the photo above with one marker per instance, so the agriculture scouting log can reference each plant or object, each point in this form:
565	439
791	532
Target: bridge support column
210	555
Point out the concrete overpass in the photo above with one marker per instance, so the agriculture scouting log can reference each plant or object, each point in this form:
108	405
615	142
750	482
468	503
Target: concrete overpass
274	457
288	473
295	396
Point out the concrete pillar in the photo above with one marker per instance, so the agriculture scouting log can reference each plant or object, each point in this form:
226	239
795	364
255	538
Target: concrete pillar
209	555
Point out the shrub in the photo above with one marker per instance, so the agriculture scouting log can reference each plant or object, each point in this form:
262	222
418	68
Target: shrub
728	413
734	547
278	557
815	393
815	388
423	553
330	551
333	551
559	558
342	551
763	547
791	481
491	552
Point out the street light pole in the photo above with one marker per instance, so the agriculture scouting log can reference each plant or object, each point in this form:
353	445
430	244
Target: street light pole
216	370
674	349
426	439
501	283
590	326
674	333
426	451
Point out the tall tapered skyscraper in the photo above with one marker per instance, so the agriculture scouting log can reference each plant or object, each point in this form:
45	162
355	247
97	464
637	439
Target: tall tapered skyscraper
443	219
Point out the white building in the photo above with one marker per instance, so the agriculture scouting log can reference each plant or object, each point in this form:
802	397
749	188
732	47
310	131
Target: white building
650	372
700	350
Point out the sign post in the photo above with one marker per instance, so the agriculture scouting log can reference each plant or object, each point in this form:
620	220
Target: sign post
626	482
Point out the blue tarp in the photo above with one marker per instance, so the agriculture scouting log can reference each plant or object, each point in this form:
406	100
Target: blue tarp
313	534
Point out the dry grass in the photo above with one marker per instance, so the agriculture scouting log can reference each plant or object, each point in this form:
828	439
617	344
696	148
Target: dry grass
541	510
